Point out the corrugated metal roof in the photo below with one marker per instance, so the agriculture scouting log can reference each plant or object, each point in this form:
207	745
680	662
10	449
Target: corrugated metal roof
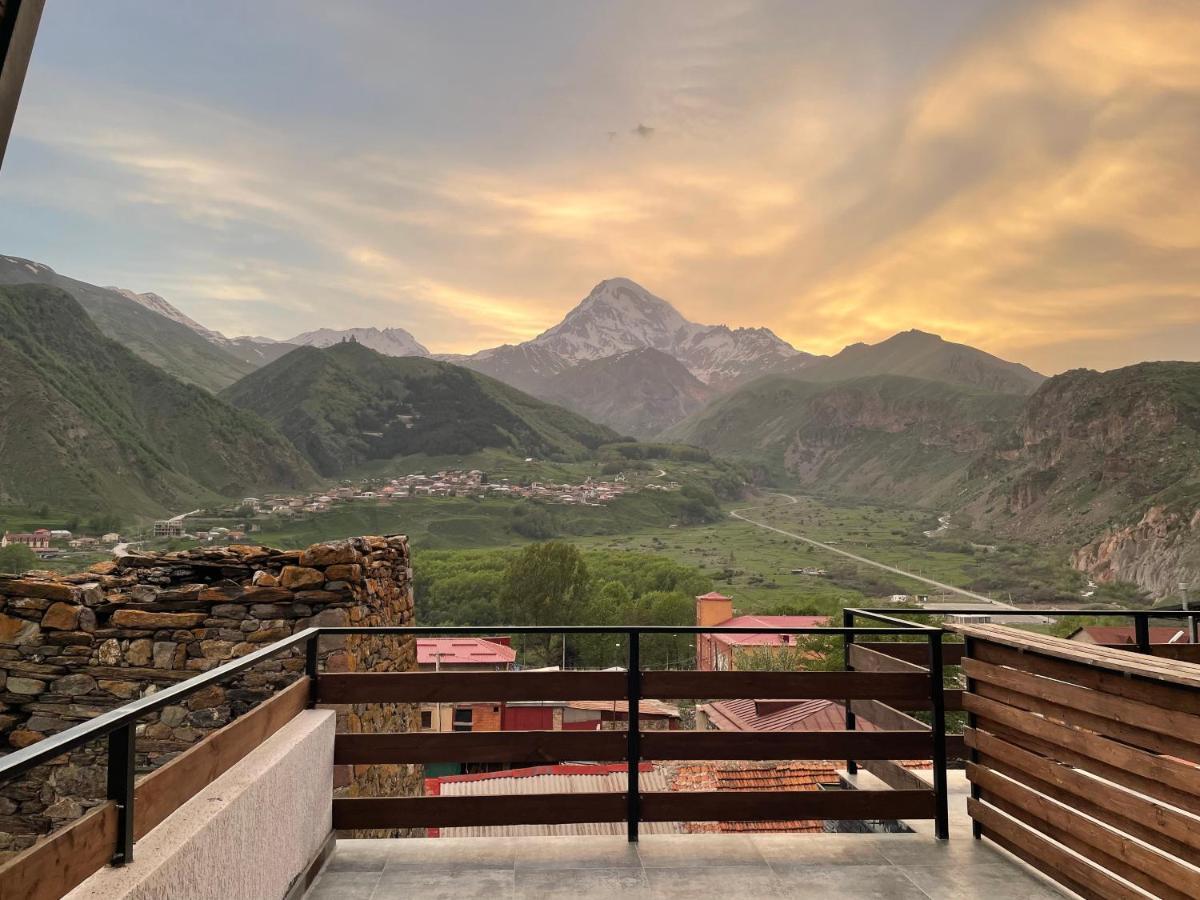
767	640
802	715
561	779
460	651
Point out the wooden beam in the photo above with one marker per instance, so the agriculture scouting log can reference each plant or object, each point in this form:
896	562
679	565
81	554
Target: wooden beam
1142	690
458	812
1065	867
1155	823
167	788
915	651
62	860
883	716
453	687
751	806
480	746
1179	778
672	745
863	659
1068	714
891	687
894	775
1147	868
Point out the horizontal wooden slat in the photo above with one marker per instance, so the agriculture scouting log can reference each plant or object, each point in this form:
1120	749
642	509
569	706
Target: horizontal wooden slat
167	788
864	659
61	861
458	812
1123	661
1153	822
1043	854
895	775
666	745
452	687
883	716
749	806
1067	713
1111	850
1185	652
890	687
1118	762
914	651
480	746
1179	725
1167	696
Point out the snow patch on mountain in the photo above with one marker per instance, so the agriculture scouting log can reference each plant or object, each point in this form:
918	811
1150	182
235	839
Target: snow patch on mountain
388	341
160	305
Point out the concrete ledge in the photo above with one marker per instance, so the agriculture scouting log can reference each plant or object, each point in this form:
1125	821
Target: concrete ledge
250	834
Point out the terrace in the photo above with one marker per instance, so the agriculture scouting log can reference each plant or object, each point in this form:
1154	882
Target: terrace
1081	774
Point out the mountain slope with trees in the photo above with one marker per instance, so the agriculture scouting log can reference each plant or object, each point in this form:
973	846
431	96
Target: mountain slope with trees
346	404
87	426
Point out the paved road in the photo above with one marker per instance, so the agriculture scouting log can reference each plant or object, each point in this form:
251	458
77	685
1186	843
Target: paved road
979	598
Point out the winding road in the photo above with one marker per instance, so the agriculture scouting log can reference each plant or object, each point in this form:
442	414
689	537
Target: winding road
979	598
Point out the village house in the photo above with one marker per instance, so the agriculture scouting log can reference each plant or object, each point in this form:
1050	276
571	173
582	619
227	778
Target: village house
37	541
719	652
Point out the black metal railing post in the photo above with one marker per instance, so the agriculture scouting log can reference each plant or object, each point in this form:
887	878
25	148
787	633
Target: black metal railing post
941	815
1141	630
122	757
311	646
847	640
633	749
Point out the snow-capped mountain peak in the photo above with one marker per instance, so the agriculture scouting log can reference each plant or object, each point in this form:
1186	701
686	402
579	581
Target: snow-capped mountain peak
160	305
388	341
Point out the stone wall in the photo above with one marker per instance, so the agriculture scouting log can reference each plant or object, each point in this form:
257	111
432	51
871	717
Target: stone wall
74	646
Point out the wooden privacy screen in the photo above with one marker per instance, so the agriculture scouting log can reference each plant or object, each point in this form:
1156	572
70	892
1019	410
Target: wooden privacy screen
61	861
1085	761
907	687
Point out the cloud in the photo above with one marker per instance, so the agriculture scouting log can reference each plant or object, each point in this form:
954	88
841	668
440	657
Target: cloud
1012	175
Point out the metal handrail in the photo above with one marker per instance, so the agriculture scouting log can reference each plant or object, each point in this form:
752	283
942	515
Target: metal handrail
118	724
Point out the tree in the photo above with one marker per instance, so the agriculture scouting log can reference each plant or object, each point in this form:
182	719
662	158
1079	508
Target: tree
545	584
17	558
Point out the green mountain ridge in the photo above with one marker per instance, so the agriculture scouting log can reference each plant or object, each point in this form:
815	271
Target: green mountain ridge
345	405
171	346
86	425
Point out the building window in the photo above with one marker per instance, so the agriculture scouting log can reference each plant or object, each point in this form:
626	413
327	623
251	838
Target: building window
462	718
426	720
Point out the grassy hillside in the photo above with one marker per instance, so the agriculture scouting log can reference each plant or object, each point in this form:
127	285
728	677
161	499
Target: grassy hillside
346	405
170	346
883	436
918	354
87	426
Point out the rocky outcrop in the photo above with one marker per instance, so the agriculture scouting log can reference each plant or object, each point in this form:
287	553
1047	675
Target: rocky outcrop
75	646
1159	552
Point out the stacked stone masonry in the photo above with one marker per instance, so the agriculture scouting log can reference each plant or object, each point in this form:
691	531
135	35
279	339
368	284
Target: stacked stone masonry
75	646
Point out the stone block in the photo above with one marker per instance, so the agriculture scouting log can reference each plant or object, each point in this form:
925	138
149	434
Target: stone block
331	554
345	572
109	653
18	631
300	578
136	618
140	652
75	685
163	653
17	684
62	616
47	590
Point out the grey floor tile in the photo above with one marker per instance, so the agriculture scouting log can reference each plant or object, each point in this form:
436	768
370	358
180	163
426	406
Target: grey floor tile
698	850
582	884
918	850
343	886
720	881
837	881
467	884
583	852
455	853
1002	881
359	856
819	849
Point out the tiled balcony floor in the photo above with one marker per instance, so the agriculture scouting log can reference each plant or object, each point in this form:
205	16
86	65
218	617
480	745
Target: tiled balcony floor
897	867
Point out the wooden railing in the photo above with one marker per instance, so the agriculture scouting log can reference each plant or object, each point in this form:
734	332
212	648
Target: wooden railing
1085	761
880	694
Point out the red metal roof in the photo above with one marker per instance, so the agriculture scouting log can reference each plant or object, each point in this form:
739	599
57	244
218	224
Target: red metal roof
754	776
713	595
463	651
767	640
798	715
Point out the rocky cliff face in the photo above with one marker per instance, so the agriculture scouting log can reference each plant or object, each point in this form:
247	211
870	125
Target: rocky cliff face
1159	552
